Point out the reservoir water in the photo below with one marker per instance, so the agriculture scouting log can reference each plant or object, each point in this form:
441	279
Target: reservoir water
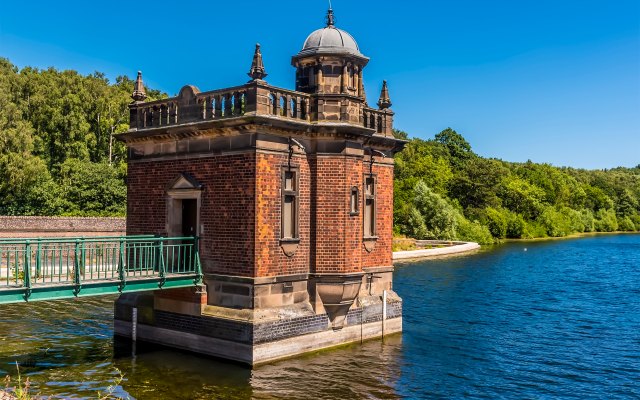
547	319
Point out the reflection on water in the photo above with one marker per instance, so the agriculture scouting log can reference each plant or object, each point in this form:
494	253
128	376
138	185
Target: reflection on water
559	320
67	349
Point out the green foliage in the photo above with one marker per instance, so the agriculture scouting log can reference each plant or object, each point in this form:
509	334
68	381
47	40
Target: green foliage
496	222
93	189
58	157
477	183
473	231
57	151
441	181
459	149
432	216
606	221
521	197
626	224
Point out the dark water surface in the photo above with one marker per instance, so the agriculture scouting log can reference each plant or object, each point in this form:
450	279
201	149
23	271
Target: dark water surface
552	319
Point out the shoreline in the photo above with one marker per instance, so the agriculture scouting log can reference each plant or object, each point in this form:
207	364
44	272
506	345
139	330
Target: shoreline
571	236
454	249
464	248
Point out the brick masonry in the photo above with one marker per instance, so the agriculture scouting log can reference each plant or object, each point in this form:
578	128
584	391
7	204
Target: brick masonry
227	213
232	145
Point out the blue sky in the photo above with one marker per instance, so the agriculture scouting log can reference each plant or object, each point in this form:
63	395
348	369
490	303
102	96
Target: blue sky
551	81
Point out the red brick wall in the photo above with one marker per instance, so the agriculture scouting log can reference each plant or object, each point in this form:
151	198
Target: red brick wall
338	235
354	169
270	258
382	253
242	234
226	212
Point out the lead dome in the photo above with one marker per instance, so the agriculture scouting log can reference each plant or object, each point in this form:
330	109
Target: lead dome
330	40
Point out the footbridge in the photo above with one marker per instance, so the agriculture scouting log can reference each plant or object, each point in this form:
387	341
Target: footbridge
58	268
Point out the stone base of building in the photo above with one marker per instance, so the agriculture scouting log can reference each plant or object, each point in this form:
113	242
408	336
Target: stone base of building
247	336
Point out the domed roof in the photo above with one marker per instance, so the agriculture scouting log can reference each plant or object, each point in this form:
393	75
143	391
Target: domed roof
330	40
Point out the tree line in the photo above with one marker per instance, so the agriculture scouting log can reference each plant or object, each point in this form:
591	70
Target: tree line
443	190
57	152
58	157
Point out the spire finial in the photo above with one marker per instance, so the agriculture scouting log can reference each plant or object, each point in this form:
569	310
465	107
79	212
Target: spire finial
384	101
330	17
257	70
138	94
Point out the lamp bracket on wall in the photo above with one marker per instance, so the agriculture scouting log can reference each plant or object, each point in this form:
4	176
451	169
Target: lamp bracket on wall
293	142
371	160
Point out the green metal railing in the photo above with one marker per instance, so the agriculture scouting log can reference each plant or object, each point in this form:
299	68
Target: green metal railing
47	268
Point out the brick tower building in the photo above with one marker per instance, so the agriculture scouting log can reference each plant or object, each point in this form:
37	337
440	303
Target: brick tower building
291	194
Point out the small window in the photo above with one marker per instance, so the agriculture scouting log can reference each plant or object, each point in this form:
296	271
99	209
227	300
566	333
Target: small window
370	206
289	203
354	201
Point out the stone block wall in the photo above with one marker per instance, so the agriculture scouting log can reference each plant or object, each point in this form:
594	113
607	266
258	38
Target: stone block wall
36	226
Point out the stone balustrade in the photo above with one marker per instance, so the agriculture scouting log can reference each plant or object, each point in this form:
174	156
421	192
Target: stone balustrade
254	98
379	120
288	103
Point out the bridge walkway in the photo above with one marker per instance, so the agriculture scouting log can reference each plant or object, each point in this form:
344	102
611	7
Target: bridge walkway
57	268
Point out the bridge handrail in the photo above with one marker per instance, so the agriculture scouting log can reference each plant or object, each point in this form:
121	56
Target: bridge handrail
74	261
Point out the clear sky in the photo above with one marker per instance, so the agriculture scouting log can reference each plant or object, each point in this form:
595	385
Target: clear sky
551	81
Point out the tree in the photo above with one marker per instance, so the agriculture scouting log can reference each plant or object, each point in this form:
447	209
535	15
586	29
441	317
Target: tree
432	216
476	184
459	149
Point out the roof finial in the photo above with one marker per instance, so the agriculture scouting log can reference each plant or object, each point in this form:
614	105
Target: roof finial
138	94
330	17
384	101
257	70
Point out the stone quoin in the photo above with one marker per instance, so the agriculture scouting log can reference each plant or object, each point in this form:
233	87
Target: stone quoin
291	195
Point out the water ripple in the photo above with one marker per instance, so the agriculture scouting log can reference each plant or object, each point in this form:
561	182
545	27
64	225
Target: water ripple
561	320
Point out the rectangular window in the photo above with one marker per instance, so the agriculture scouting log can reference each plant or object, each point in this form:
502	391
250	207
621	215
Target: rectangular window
354	201
369	206
289	203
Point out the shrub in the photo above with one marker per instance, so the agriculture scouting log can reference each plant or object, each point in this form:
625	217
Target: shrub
473	231
516	226
588	221
606	220
434	216
534	229
496	222
626	224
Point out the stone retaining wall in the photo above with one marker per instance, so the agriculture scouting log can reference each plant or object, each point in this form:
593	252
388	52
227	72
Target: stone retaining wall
452	248
12	226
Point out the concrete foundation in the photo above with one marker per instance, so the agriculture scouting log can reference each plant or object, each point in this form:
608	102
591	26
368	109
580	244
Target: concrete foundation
251	336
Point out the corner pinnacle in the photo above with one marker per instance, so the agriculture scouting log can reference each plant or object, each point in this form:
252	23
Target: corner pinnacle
138	94
257	70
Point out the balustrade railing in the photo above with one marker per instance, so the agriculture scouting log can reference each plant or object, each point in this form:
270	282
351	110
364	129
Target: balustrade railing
26	263
374	119
288	104
220	104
